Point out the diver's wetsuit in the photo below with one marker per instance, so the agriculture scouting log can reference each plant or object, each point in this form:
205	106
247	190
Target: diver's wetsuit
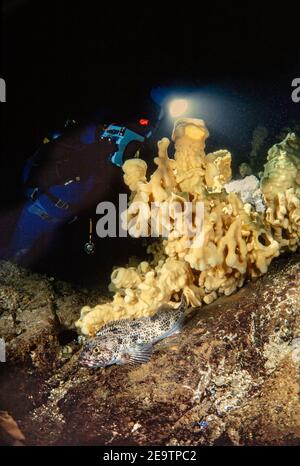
64	177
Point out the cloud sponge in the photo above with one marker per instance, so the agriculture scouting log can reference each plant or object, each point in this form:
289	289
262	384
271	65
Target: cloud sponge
239	242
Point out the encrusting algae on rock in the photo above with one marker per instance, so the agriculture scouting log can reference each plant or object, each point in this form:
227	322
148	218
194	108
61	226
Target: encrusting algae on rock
239	239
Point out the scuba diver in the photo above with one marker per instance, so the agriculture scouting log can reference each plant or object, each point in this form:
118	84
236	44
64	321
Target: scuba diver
71	172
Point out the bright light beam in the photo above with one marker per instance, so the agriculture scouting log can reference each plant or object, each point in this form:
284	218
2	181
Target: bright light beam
178	107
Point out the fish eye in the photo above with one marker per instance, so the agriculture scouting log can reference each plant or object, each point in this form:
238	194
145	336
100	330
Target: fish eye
96	350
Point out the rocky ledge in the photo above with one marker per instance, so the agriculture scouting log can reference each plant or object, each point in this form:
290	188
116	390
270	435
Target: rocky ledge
231	377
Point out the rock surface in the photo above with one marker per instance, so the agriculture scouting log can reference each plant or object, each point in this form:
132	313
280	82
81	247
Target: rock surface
231	377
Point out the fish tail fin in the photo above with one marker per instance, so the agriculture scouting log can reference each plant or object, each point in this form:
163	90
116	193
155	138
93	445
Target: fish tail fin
181	309
179	320
181	312
174	330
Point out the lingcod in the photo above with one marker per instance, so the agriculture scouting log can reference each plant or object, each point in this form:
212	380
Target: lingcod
132	341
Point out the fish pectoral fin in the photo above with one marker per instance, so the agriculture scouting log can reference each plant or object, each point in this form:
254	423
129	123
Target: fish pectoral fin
139	354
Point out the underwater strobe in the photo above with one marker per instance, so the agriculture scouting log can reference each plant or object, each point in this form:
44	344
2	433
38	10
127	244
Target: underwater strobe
89	247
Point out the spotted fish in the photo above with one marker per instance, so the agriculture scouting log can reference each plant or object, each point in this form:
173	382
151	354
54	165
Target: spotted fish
131	341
